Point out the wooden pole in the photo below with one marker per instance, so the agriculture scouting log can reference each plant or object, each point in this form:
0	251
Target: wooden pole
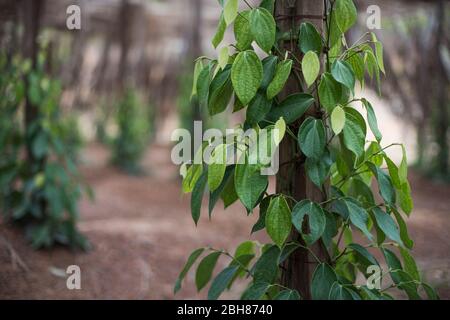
292	179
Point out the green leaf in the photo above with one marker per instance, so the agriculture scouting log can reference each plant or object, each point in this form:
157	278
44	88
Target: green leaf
356	61
364	253
410	265
249	184
262	26
205	269
316	220
193	173
230	11
372	119
353	134
246	75
387	225
318	170
258	108
261	223
311	137
266	268
282	73
378	52
220	92
217	167
385	186
309	39
393	172
339	292
280	127
220	32
223	57
222	189
406	202
220	283
322	280
269	5
359	217
310	67
287	295
278	220
431	293
203	81
197	196
242	32
269	67
393	264
190	261
343	73
229	195
330	92
403	230
337	120
197	69
291	108
403	168
345	14
255	291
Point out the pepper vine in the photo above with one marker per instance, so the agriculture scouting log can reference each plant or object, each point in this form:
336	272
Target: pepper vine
334	149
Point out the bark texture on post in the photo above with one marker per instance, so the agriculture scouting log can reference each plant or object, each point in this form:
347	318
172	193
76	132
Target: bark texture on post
292	179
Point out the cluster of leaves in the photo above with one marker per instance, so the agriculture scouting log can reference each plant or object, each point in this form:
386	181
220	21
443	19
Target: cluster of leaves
40	194
337	155
133	133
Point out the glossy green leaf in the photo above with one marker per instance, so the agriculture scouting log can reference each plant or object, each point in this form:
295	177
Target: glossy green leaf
330	92
262	26
205	269
359	217
310	67
220	92
197	196
249	184
217	167
309	38
409	264
220	32
270	64
316	220
197	69
343	73
278	220
190	261
282	73
406	202
318	170
223	57
261	223
244	37
246	75
345	14
372	119
353	134
387	225
363	253
269	5
258	108
291	108
255	291
221	281
266	268
230	11
322	280
403	230
312	138
385	185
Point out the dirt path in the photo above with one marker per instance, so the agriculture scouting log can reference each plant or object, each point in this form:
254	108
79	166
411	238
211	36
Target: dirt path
142	233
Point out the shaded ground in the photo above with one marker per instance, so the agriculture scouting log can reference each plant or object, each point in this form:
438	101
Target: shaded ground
142	233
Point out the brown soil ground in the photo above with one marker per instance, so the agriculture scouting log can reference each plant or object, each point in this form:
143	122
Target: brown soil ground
142	232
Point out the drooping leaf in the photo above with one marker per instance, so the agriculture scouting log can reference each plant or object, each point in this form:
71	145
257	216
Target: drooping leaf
255	291
409	264
279	131
205	269
261	223
359	217
316	220
266	268
385	186
197	196
309	39
372	119
223	57
222	190
291	108
217	167
230	11
262	26
246	75
220	32
311	137
406	202
203	82
353	134
278	220
270	64
220	92
387	225
364	253
197	69
282	73
403	230
221	281
190	261
310	67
